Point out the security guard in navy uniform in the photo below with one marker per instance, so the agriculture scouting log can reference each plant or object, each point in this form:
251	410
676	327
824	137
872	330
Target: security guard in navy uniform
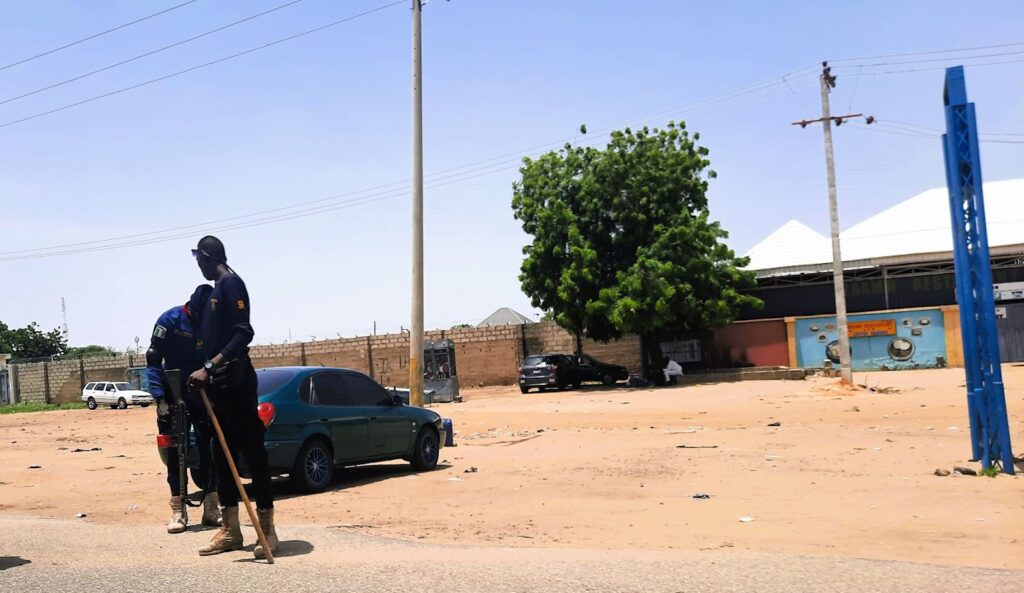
174	345
231	383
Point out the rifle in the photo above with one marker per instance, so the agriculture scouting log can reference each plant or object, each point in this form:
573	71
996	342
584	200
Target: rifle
180	434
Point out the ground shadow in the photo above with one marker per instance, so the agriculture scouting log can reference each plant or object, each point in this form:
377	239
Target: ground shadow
292	547
348	477
596	388
12	562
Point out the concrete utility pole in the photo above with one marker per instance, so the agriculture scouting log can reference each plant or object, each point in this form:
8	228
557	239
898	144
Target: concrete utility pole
416	331
828	82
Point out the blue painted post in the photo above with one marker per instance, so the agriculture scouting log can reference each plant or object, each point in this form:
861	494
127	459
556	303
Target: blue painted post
986	400
965	301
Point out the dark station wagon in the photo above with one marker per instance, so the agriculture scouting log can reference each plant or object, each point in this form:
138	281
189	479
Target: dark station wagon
567	371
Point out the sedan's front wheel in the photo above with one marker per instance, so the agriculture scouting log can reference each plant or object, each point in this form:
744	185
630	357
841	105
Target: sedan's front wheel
424	456
314	466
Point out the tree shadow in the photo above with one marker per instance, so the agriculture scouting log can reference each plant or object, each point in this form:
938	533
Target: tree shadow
12	562
292	547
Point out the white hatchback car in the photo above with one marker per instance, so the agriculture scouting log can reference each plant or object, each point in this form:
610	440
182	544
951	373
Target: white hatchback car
116	395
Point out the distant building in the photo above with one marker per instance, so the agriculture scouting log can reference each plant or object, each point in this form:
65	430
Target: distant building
900	288
505	316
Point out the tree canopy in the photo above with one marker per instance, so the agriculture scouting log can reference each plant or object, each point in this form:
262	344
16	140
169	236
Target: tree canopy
623	241
31	342
90	350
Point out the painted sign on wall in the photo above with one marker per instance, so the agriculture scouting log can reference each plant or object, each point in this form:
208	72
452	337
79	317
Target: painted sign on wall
893	340
863	329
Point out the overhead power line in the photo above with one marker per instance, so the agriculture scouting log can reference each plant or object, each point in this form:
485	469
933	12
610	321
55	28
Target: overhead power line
929	53
454	175
901	131
200	66
944	59
149	53
378	193
960	60
95	35
906	124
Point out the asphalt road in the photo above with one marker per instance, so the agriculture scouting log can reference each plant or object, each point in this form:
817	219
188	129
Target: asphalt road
74	556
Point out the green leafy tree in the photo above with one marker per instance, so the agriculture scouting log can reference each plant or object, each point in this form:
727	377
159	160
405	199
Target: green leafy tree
31	342
90	350
623	241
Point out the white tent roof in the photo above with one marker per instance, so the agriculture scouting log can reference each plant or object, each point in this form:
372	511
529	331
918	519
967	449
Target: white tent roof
792	244
917	229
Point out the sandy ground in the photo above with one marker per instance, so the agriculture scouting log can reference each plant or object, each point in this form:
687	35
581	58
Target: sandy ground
844	475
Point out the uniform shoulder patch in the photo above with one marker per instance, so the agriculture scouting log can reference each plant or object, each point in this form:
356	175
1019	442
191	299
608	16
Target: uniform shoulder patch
159	332
213	304
241	304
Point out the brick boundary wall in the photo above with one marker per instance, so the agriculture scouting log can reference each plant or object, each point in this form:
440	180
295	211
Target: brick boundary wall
484	356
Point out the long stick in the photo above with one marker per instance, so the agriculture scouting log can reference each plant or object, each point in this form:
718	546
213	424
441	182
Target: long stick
238	480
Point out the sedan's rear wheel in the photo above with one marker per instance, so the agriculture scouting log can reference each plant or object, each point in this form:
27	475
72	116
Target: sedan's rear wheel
424	456
314	466
91	403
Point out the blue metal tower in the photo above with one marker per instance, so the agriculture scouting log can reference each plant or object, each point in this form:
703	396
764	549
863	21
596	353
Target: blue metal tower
986	401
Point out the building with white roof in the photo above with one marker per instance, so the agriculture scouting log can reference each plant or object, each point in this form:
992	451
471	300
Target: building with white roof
899	279
915	230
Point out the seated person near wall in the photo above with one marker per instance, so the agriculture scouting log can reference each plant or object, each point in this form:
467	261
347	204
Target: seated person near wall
671	370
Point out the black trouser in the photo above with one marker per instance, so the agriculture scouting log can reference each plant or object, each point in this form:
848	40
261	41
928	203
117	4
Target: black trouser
243	431
198	418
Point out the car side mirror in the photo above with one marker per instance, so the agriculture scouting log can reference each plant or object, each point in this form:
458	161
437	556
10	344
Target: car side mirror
396	400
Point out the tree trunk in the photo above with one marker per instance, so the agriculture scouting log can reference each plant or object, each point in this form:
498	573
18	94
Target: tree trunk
579	343
652	356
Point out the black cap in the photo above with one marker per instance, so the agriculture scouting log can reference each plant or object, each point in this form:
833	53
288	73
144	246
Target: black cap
197	302
212	247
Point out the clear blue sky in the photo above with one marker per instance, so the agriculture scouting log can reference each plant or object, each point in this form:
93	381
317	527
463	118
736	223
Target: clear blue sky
330	113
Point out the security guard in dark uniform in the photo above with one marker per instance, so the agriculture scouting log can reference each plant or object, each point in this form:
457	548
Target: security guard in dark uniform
174	345
231	384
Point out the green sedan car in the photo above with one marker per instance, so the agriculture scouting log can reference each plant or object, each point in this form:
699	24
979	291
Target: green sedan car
319	419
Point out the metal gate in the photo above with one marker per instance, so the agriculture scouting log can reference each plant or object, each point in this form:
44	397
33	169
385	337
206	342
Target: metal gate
1010	323
5	389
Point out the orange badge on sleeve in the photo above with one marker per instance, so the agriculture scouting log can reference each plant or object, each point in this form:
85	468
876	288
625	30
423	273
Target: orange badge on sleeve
241	304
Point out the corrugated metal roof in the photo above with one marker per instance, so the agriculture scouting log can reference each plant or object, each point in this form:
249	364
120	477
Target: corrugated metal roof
505	316
916	229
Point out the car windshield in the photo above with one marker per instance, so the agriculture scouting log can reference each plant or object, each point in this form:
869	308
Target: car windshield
269	380
124	386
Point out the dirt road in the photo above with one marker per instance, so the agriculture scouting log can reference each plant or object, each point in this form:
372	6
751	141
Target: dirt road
843	475
48	555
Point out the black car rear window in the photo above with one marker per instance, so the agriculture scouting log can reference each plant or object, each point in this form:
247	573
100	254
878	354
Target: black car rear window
536	361
269	380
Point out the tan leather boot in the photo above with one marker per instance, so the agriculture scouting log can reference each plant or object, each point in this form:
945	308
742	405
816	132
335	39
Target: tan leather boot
228	537
179	516
211	510
266	517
